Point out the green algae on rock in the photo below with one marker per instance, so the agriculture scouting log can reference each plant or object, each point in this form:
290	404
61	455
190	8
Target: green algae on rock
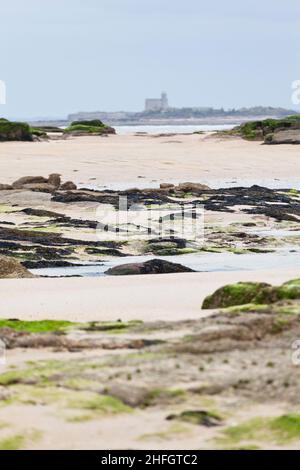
42	326
198	417
244	293
15	131
262	130
281	430
93	127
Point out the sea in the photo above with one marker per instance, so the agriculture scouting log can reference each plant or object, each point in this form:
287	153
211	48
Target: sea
173	129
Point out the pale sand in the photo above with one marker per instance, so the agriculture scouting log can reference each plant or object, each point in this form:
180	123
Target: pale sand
122	159
143	429
149	297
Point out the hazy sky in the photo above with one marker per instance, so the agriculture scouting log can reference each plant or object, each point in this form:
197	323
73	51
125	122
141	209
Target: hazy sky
62	56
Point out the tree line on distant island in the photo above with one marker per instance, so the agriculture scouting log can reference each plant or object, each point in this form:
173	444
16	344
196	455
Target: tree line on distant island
220	112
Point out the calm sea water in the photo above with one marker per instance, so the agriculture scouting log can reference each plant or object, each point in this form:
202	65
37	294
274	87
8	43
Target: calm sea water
172	129
205	262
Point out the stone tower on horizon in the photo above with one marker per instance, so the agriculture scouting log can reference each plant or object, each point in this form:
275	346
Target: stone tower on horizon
157	104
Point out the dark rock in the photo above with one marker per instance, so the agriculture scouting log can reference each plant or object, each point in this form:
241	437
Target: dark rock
278	204
105	252
44	264
180	242
199	417
41	213
154	266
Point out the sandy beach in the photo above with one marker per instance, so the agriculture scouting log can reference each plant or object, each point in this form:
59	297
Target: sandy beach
144	355
149	229
168	297
124	161
119	161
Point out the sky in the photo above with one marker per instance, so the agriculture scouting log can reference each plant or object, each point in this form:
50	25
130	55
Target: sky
62	56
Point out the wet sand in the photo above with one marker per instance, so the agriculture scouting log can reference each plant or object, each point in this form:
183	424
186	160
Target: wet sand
167	297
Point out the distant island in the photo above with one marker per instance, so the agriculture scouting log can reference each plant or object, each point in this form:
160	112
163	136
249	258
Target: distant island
158	112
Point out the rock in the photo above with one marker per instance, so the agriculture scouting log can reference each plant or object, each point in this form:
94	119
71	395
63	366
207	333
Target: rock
40	187
19	184
179	242
91	127
257	293
4	187
42	213
261	130
154	266
201	418
39	183
130	395
55	180
166	186
165	246
291	136
11	268
191	187
68	186
15	131
234	294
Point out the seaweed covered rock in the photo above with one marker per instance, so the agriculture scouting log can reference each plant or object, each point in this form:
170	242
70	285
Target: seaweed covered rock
93	127
251	293
154	266
197	417
15	131
264	130
11	268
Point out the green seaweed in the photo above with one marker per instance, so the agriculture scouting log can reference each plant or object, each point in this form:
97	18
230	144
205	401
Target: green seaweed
281	430
15	131
15	442
89	127
258	130
37	326
251	293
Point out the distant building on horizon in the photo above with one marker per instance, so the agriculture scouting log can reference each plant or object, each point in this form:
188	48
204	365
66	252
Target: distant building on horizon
157	104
